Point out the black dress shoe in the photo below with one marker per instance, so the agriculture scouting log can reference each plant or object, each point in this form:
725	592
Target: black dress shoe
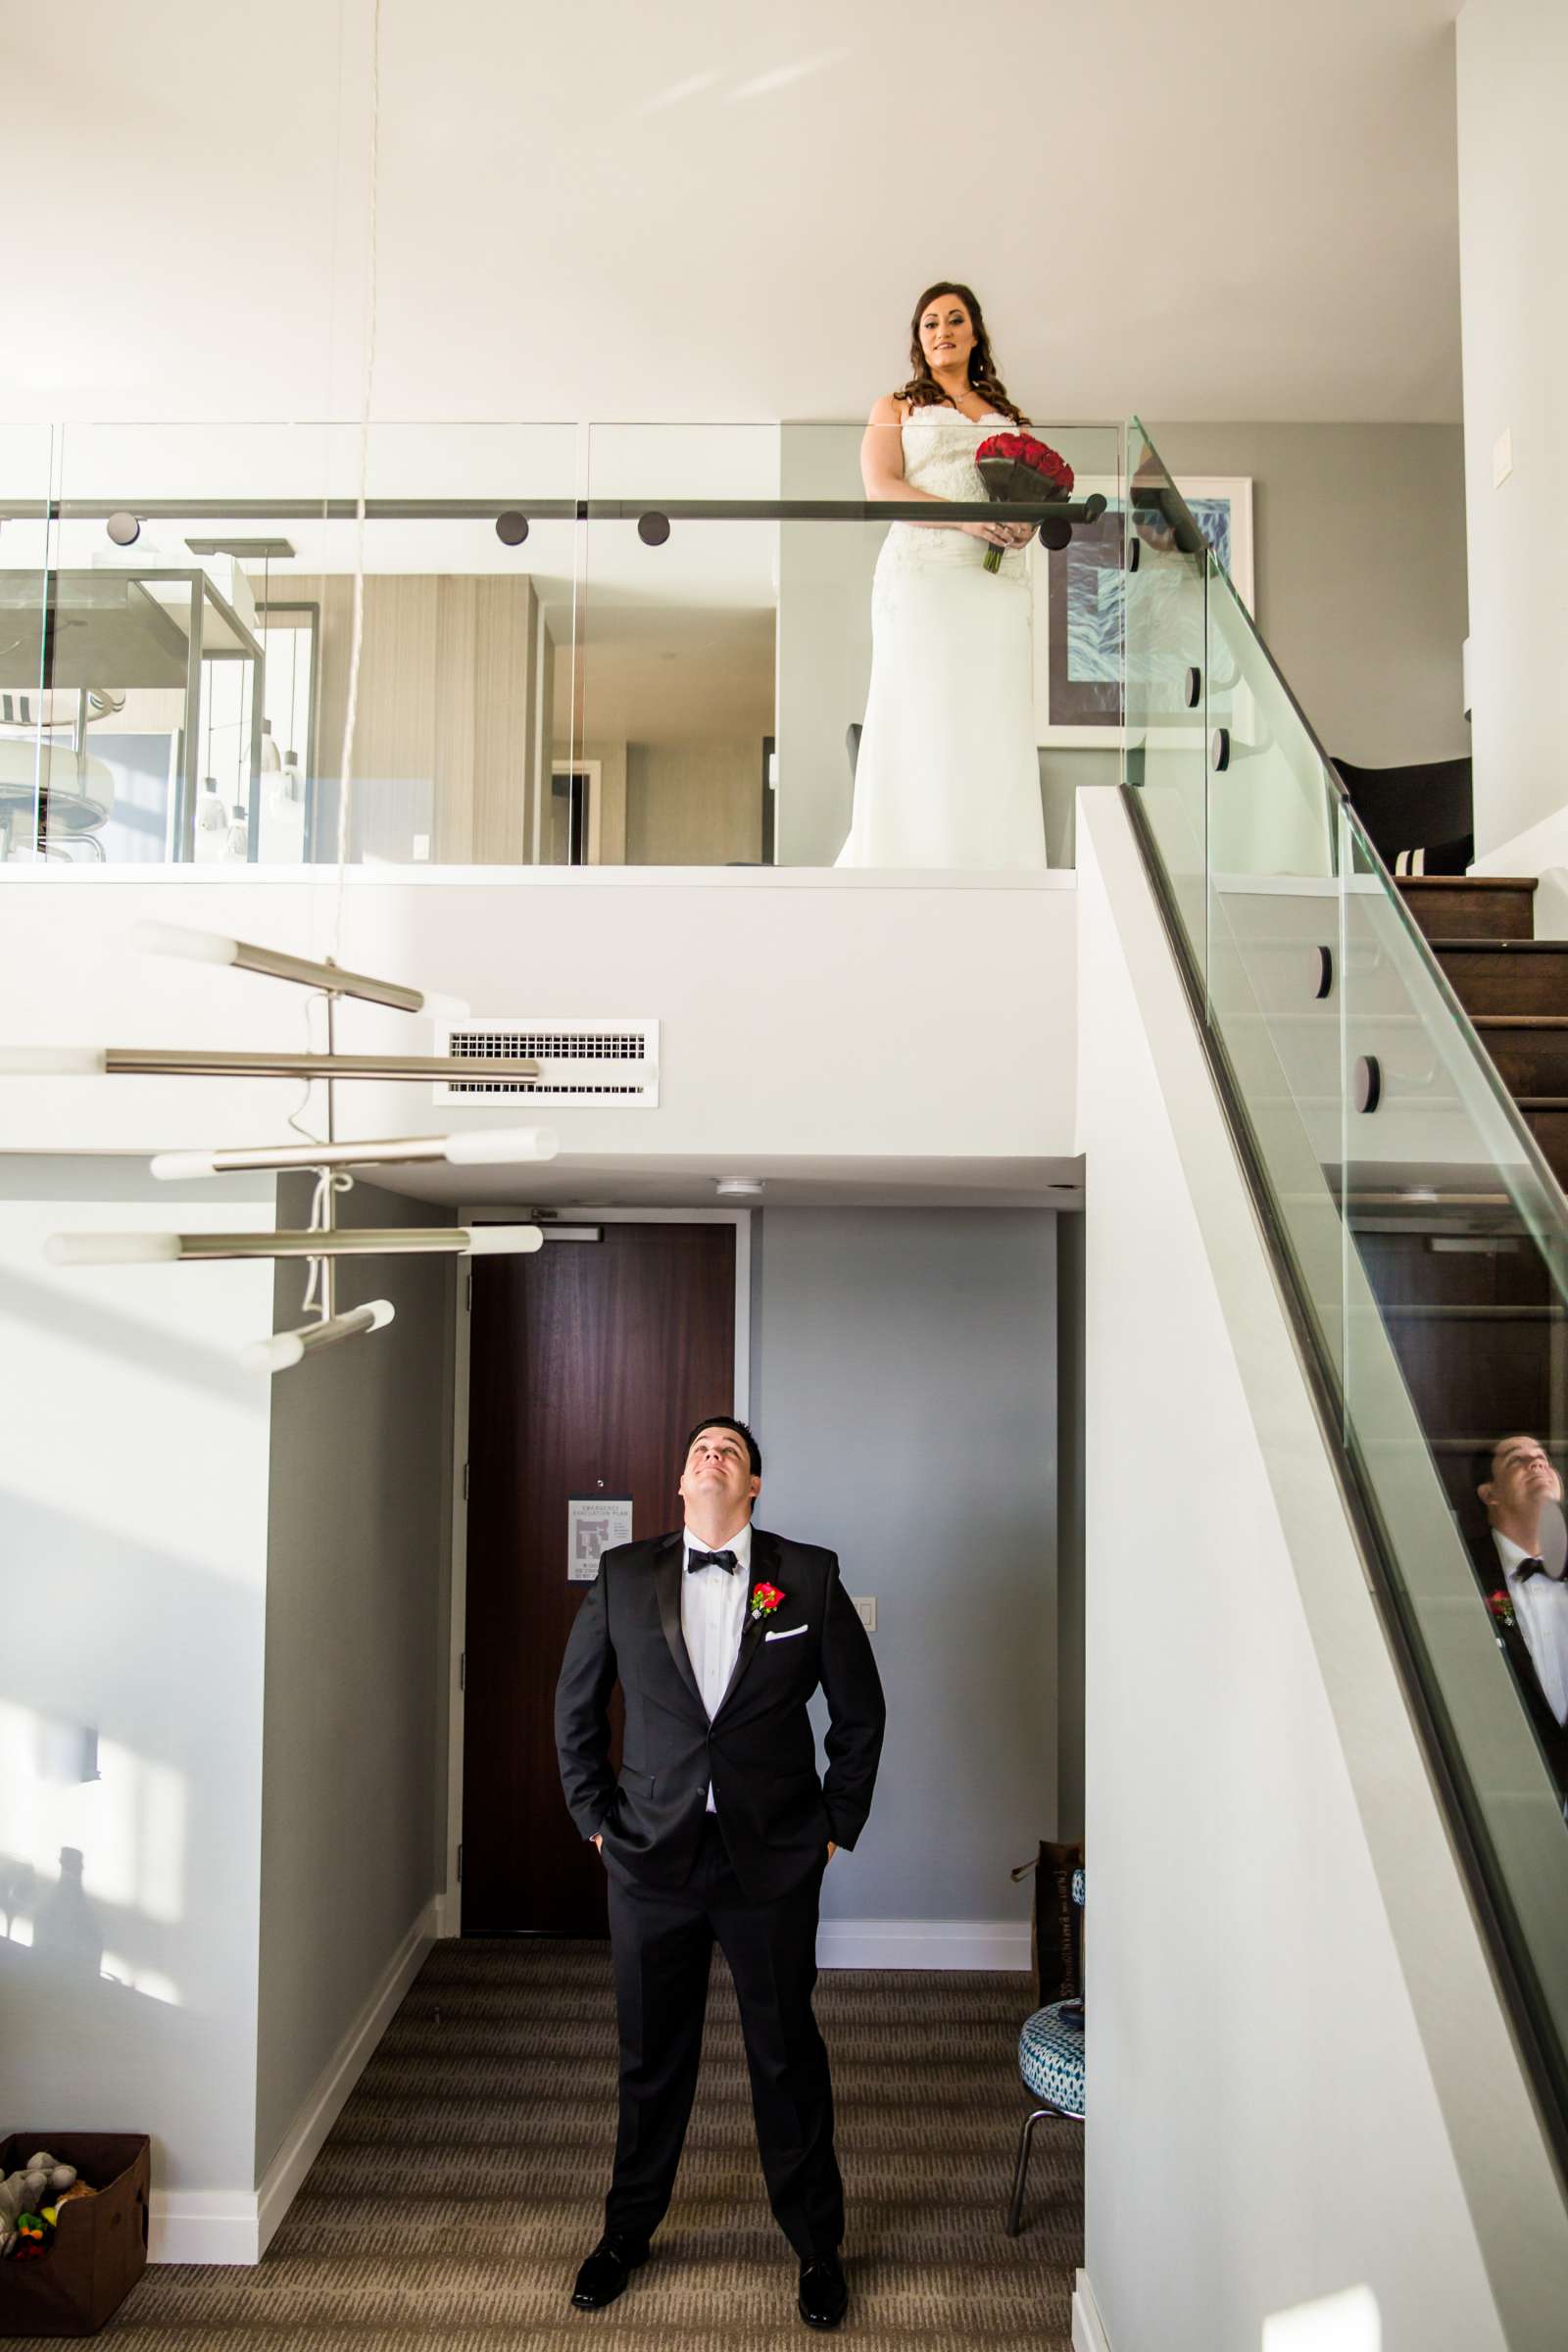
824	2297
604	2273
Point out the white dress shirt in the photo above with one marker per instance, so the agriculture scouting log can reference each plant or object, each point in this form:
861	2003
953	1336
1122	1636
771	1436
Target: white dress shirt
712	1617
1541	1611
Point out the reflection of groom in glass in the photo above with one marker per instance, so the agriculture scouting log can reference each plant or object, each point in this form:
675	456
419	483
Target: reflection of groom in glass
1517	1484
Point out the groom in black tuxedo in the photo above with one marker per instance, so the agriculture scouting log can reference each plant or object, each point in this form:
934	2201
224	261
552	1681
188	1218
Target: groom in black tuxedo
719	1830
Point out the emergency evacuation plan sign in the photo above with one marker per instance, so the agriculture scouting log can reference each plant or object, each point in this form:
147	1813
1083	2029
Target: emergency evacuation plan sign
594	1524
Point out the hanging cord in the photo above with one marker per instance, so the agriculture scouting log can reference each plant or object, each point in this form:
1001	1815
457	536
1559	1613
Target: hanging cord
316	997
356	635
327	1182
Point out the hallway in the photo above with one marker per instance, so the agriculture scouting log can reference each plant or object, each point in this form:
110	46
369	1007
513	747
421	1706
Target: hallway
462	2182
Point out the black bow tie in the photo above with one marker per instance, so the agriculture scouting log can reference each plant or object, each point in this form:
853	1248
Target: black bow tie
1528	1568
711	1559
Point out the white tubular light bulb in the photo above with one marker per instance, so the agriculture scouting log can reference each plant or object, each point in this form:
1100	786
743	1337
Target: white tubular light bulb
178	939
174	1168
281	1354
286	1349
53	1061
111	1249
503	1241
484	1147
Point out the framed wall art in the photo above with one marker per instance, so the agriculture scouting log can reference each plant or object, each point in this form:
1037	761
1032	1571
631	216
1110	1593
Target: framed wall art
1078	599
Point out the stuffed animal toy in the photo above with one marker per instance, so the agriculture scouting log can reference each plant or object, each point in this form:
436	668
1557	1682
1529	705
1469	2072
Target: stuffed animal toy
30	2237
29	2203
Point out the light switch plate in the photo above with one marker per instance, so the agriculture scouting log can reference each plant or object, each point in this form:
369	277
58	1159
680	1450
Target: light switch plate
865	1610
1501	458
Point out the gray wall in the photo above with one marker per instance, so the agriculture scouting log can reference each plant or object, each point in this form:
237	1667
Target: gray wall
905	1394
358	1580
1360	573
1359	562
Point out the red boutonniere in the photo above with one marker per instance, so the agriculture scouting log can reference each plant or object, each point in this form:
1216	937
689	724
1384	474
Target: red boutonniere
764	1601
1500	1605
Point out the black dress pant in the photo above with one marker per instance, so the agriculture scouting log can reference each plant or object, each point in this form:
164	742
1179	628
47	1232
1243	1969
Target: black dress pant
661	1942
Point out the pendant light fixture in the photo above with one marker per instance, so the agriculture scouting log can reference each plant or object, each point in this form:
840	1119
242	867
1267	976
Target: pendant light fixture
324	1242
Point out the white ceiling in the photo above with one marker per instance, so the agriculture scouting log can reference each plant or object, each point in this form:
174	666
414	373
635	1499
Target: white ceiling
1225	210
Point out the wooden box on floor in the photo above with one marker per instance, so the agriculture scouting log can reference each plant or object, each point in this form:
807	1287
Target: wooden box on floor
99	2250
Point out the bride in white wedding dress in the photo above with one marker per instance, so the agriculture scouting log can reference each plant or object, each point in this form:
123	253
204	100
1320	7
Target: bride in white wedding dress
947	773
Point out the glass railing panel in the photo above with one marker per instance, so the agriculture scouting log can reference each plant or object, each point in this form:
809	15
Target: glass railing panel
727	669
1425	1241
40	733
1458	1341
154	656
200	613
1165	652
1273	927
471	549
668	759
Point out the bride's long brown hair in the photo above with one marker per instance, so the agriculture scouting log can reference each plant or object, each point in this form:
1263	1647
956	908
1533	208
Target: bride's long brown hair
922	391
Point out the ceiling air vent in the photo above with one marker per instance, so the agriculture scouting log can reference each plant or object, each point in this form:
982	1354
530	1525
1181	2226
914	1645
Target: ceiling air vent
584	1061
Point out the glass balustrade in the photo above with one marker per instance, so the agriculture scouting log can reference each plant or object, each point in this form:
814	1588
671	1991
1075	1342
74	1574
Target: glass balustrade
617	644
1423	1236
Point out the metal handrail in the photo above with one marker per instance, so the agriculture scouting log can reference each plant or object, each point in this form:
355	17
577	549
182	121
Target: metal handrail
545	510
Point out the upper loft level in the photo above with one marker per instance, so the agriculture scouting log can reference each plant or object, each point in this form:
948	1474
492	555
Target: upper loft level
613	646
571	646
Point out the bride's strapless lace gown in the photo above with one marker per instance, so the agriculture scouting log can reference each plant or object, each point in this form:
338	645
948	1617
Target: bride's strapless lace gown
948	775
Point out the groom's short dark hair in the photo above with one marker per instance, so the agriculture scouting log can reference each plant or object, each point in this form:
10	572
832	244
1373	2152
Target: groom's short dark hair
724	1421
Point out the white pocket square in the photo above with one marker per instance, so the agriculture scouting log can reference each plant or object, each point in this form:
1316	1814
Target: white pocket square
788	1634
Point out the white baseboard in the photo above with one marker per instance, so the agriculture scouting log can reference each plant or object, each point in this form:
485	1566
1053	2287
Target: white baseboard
1088	2328
202	2225
231	2227
923	1943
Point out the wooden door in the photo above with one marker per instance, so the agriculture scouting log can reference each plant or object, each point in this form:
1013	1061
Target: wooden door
589	1362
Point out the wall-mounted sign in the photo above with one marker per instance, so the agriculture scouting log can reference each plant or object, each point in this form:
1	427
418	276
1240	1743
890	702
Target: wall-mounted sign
593	1523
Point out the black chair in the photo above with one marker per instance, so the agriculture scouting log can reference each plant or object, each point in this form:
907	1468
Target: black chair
1421	818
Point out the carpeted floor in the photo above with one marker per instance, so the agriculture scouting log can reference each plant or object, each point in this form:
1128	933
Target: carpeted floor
463	2182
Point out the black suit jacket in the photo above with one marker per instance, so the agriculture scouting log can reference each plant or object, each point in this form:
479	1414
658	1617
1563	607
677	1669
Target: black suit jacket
1551	1737
759	1751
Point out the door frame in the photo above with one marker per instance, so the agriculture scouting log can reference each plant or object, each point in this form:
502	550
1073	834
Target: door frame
449	1903
592	772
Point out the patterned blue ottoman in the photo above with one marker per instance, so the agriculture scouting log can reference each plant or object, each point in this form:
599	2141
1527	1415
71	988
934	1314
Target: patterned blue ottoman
1051	2060
1050	2056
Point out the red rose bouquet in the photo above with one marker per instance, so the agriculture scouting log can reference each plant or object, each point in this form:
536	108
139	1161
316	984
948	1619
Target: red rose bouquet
1016	466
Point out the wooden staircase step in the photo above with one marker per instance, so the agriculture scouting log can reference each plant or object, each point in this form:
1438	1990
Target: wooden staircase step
1471	906
1506	975
1530	1050
1546	1117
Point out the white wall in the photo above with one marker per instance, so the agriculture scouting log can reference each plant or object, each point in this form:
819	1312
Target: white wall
1282	2103
1513	259
133	1462
822	983
358	1609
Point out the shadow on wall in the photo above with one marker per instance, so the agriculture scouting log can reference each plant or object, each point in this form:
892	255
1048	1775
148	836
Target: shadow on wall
128	1876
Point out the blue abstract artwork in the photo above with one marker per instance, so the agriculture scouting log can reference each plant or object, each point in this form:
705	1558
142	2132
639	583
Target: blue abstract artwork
1084	587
